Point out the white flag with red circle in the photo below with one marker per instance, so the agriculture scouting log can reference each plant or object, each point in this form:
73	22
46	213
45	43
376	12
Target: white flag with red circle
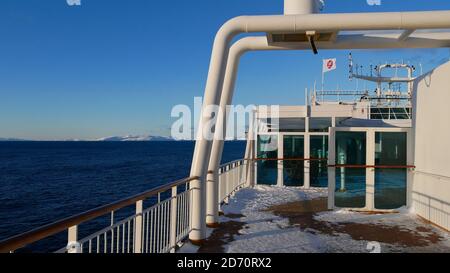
329	65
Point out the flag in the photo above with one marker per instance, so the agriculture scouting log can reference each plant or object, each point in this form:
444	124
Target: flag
329	65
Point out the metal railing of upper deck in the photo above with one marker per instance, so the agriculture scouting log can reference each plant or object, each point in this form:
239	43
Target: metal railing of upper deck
232	178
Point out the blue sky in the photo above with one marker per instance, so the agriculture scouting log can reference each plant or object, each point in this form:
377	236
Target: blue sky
116	67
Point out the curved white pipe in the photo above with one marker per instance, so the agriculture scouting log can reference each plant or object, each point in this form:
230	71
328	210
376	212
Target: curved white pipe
283	24
248	44
237	50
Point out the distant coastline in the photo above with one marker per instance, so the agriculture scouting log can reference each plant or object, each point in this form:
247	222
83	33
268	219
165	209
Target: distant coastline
106	139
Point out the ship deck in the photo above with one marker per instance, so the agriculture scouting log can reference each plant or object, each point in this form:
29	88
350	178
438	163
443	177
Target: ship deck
294	220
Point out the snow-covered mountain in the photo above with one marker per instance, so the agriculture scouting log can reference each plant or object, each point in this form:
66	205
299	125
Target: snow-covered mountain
135	138
11	139
112	138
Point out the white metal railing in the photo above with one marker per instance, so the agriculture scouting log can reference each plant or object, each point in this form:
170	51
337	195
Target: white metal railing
159	228
156	229
232	178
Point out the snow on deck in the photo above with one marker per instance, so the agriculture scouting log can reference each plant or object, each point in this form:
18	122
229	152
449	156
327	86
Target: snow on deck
294	220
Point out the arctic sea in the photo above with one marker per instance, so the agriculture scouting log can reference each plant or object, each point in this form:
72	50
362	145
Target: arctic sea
41	182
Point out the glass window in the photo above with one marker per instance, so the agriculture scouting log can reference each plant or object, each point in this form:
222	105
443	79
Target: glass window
319	124
390	184
294	170
319	168
350	182
267	169
340	121
288	125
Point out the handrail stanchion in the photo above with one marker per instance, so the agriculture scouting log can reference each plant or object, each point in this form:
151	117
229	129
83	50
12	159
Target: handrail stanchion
173	220
138	227
72	240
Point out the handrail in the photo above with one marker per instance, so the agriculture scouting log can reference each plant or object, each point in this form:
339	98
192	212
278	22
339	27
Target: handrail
290	159
232	162
372	166
340	165
434	175
37	234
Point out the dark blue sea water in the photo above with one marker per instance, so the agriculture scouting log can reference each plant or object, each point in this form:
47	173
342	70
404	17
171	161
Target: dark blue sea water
41	182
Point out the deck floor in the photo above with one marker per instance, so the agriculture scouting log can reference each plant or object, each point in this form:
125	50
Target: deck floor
294	220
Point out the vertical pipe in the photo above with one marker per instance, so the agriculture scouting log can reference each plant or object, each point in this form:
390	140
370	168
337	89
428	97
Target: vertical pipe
203	144
292	7
226	99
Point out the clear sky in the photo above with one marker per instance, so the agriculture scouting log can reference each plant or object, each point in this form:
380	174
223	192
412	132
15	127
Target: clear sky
117	67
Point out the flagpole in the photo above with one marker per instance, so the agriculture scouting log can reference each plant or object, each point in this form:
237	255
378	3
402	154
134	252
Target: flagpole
323	80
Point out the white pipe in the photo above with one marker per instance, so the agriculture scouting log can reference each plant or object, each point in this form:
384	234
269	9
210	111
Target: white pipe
237	50
260	44
302	6
277	23
203	144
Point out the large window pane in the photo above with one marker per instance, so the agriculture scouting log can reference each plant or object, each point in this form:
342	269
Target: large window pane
350	182
267	169
294	170
340	121
390	184
319	169
292	125
319	124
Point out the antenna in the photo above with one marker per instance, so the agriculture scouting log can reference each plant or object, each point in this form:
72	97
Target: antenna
350	66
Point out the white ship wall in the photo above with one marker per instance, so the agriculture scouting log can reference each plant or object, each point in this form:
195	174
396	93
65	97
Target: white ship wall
430	191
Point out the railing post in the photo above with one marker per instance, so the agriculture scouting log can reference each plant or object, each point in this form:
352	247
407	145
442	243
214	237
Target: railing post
241	173
370	172
236	177
138	227
227	181
73	246
236	174
248	175
331	170
307	155
250	165
173	220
